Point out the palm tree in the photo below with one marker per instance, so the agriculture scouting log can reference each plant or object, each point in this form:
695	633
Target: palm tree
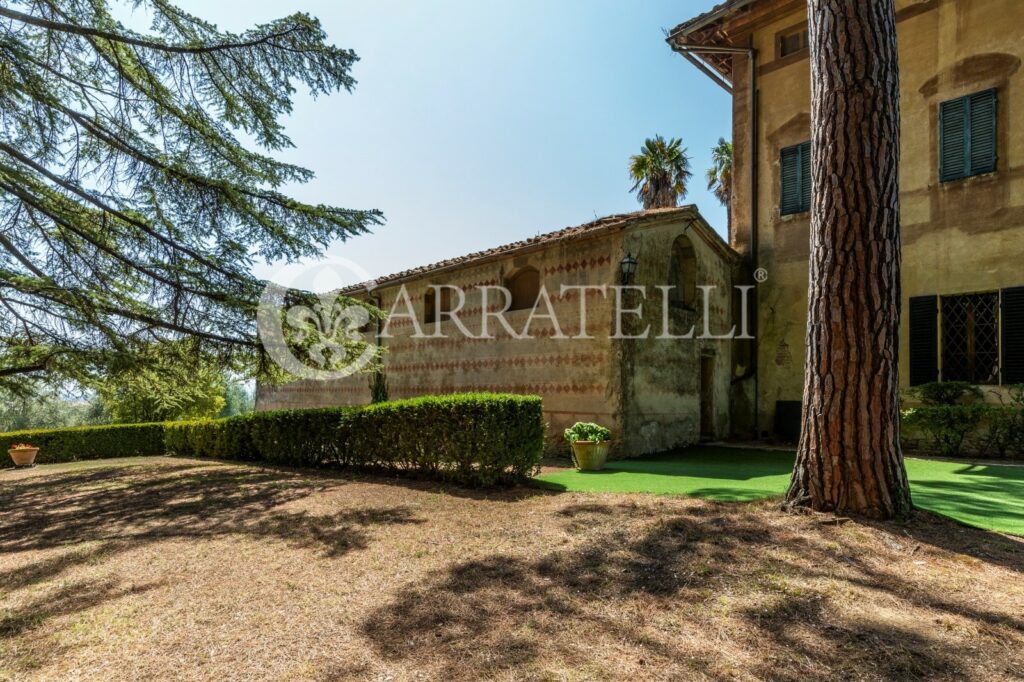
660	172
720	174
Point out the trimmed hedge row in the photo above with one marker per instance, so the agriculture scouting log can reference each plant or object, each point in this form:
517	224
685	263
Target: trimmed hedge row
953	430
292	437
89	442
953	419
478	438
472	438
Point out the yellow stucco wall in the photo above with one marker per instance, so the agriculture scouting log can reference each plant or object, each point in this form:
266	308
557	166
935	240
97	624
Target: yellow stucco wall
958	237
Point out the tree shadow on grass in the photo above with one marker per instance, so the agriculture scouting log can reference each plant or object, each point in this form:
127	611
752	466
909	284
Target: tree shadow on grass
68	598
65	600
930	528
783	589
133	505
425	482
984	501
91	515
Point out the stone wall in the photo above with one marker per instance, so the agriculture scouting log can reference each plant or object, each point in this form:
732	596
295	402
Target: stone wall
572	375
661	376
647	392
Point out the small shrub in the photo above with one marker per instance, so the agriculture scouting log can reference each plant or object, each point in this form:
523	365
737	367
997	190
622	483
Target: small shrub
1003	434
587	431
947	426
1000	434
946	393
90	442
473	438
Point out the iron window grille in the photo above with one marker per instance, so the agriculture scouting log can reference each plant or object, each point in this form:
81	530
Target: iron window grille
970	338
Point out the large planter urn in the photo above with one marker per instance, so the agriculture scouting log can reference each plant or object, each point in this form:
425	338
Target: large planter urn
22	455
590	455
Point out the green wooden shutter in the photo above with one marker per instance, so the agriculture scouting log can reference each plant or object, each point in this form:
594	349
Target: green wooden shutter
967	135
982	132
789	164
1012	305
953	139
924	340
805	176
795	169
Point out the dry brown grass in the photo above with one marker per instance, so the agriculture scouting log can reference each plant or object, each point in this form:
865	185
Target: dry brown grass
196	570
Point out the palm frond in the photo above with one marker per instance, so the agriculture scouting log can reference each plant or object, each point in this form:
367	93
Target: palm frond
660	172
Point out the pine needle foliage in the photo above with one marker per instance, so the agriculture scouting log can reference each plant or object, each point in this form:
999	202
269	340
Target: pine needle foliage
131	211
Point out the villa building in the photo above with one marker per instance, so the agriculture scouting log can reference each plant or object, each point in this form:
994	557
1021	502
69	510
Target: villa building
961	185
962	203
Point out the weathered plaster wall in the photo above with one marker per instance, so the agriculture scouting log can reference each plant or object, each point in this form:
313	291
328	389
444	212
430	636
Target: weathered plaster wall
573	376
579	379
958	237
661	379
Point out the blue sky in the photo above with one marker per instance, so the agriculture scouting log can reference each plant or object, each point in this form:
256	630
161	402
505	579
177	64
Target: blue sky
480	122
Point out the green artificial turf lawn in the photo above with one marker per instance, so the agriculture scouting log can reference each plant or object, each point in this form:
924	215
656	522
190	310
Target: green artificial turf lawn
982	495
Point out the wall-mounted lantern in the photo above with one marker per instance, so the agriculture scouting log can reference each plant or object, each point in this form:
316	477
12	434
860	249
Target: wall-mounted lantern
627	268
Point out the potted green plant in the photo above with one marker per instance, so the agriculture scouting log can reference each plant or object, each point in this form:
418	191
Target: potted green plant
23	454
590	443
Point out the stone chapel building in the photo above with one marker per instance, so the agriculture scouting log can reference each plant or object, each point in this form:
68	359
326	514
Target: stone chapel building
655	394
962	196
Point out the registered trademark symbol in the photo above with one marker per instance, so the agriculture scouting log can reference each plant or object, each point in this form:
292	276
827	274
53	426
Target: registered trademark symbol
761	275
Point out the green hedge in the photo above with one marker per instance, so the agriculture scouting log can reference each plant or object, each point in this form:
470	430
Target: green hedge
89	442
294	437
473	438
476	438
954	420
978	429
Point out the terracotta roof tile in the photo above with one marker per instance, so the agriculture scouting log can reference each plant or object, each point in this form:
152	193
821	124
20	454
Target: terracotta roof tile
620	220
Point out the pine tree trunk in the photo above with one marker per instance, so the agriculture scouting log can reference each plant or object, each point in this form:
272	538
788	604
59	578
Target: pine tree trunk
849	458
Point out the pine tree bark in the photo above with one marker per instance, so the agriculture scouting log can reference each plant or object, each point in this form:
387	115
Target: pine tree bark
849	458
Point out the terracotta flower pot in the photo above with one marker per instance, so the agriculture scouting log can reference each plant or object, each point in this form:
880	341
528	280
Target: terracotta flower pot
590	455
23	457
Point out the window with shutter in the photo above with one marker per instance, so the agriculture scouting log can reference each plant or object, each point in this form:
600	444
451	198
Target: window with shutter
792	42
1012	305
805	176
967	136
795	170
924	340
982	140
970	338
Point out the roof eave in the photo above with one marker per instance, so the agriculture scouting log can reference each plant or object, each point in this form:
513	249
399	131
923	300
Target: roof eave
703	42
703	20
628	220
